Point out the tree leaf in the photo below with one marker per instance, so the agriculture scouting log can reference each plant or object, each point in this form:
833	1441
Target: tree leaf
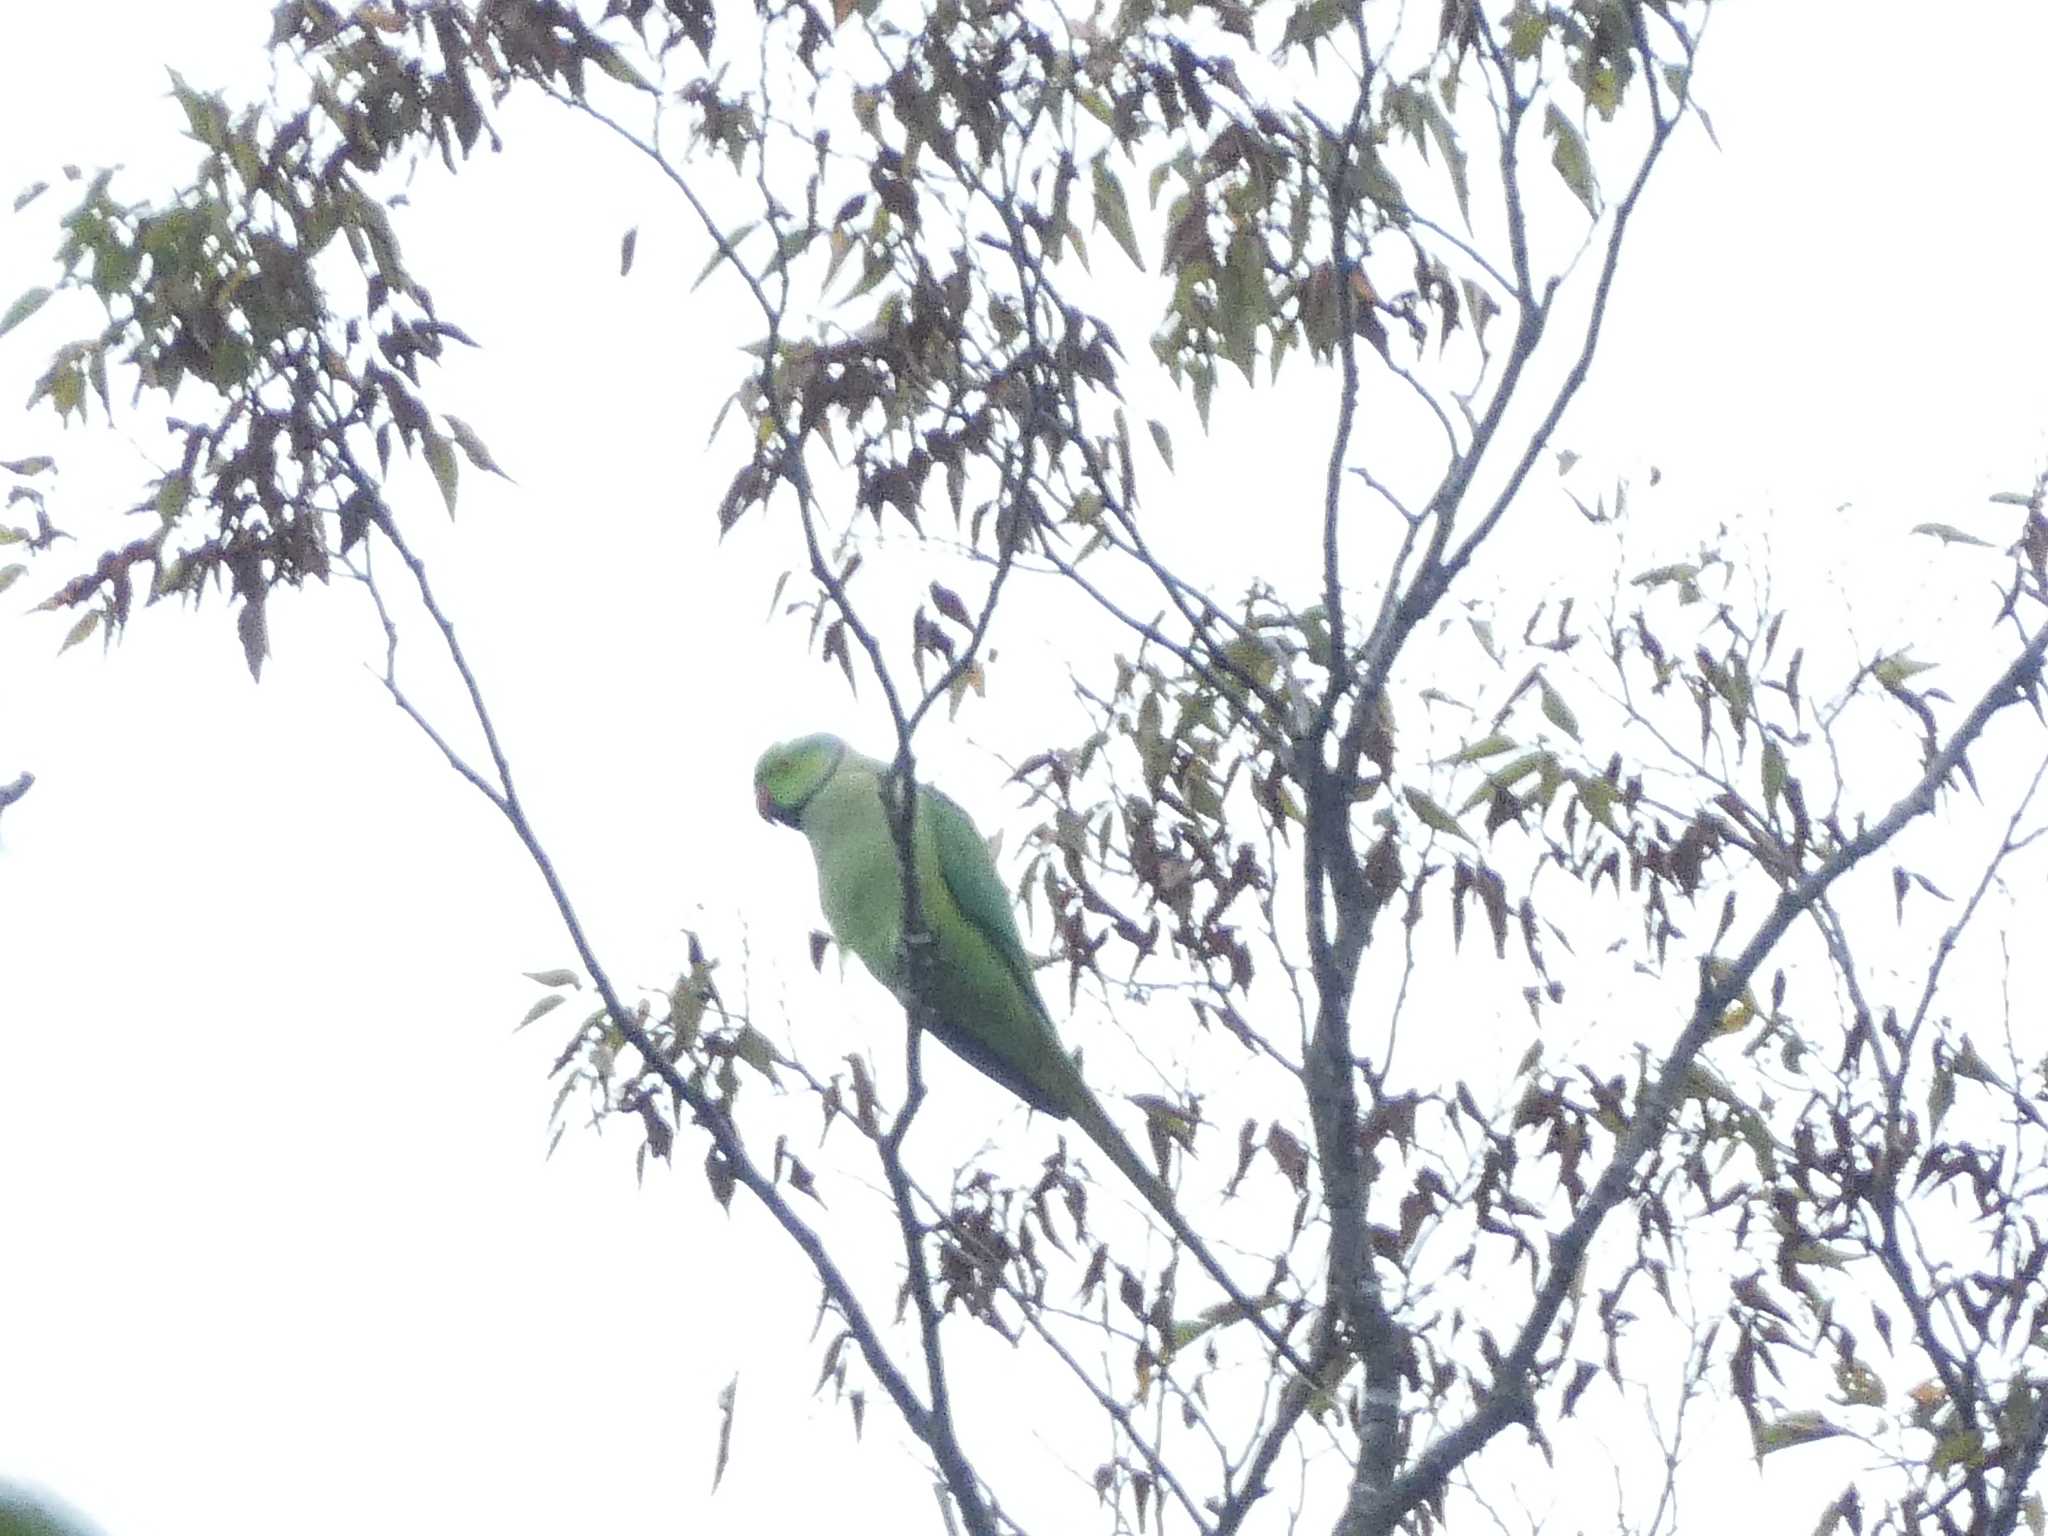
1569	155
1453	152
255	633
755	1049
474	449
1113	209
22	308
1556	711
1793	1429
1486	746
1895	669
1242	299
613	63
1941	1097
1774	775
1433	815
441	459
80	631
1950	534
546	1005
728	1395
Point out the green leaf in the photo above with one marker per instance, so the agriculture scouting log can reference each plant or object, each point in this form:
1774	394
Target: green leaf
1527	27
561	976
1793	1429
1948	534
1242	299
1774	775
67	390
9	575
1556	711
41	463
1965	1448
754	1048
1968	1063
441	459
1312	22
1685	573
1162	441
732	243
80	631
1112	209
1941	1097
473	448
1253	656
1433	815
608	59
171	497
22	308
1453	152
1486	746
545	1006
1570	157
1895	669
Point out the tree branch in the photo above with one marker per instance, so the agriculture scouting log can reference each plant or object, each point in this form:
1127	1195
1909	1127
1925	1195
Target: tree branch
1510	1399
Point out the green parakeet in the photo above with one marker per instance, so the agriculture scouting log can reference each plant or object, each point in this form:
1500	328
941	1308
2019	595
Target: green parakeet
982	1003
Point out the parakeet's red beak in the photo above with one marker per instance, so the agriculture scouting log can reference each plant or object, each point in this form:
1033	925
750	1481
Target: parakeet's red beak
762	803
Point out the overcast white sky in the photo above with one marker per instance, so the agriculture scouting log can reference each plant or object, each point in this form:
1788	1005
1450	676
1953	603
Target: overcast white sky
282	1247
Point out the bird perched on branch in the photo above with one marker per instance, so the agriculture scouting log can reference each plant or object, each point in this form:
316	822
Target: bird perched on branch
979	997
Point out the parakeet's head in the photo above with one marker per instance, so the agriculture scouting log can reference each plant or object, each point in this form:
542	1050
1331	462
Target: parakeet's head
790	772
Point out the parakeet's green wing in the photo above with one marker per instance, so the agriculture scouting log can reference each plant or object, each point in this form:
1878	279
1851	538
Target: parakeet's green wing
970	876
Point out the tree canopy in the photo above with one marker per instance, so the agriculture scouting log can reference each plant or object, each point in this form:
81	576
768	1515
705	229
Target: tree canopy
1536	967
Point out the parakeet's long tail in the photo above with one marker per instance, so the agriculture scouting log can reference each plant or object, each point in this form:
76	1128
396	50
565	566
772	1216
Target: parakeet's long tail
1071	1095
1089	1115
